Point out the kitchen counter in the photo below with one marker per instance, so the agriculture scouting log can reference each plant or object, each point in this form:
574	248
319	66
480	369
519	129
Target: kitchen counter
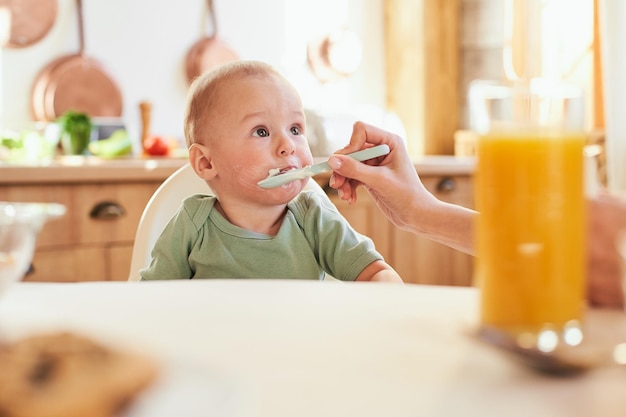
444	165
92	169
86	169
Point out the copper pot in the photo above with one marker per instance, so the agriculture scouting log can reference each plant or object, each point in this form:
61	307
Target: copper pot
31	20
208	52
75	82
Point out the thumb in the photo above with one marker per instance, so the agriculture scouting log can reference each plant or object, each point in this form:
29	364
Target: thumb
349	167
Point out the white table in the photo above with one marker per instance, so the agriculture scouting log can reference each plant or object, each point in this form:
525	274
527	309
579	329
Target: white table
323	349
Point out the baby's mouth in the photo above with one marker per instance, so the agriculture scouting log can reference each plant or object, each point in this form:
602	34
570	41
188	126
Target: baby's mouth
277	171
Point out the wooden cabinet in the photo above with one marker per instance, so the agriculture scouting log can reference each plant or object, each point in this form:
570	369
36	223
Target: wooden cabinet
421	260
417	259
93	241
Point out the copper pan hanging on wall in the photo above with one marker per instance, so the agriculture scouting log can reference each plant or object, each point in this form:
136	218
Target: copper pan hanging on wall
31	20
75	82
208	52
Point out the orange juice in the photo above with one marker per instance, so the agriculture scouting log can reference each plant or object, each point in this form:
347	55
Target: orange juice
531	229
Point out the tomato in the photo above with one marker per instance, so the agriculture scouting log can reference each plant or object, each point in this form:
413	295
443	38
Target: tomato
156	146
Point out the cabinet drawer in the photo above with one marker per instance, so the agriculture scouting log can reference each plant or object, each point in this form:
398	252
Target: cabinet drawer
69	264
457	189
119	261
83	263
109	213
96	213
423	261
420	260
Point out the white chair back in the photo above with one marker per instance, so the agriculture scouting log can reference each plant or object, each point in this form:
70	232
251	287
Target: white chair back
160	209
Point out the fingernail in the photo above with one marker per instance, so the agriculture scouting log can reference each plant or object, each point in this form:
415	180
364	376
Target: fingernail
340	193
332	180
334	163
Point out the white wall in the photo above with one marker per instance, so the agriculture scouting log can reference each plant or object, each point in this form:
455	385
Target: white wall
142	44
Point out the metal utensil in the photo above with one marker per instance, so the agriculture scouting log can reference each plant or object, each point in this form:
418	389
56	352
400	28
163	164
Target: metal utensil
297	174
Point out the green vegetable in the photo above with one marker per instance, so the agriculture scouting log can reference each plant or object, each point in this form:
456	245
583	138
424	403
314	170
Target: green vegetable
11	142
75	132
118	144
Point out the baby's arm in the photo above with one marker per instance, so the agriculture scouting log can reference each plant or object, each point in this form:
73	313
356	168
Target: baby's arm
379	271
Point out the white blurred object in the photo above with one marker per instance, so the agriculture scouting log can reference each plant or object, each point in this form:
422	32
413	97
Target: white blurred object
465	142
338	127
592	181
336	55
612	18
5	35
20	224
184	389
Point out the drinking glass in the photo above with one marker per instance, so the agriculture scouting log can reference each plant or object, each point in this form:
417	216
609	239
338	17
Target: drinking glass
530	235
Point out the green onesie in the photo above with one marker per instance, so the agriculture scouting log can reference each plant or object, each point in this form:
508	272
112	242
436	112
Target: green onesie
313	239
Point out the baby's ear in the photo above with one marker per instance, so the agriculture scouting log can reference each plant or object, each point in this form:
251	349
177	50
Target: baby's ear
201	162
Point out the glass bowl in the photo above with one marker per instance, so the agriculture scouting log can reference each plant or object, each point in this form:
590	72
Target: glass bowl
20	224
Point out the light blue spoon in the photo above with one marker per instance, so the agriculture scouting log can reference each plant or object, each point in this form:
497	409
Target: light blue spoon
297	174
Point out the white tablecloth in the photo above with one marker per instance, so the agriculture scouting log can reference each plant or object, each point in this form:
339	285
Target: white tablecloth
299	348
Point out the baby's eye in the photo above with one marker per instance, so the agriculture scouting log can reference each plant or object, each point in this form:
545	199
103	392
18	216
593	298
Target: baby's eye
296	130
261	132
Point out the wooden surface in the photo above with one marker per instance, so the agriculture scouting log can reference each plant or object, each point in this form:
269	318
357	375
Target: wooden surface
422	58
78	247
82	169
598	84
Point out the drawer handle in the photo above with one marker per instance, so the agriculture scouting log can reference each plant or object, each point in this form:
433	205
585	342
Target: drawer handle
446	185
107	210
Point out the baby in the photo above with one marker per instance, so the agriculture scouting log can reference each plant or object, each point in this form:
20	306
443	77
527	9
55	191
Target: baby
243	120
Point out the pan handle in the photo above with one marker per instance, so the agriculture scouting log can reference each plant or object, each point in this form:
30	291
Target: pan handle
212	19
81	34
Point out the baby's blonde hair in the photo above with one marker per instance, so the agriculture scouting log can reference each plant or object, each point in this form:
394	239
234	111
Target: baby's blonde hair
203	96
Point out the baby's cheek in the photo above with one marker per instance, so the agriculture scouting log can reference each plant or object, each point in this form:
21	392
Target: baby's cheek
245	177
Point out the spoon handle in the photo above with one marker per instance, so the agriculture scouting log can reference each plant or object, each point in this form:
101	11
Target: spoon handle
309	171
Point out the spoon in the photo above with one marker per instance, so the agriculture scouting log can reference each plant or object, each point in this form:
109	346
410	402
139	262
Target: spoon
563	361
278	179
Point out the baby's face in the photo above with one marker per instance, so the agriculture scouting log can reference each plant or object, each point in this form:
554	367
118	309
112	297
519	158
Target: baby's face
258	125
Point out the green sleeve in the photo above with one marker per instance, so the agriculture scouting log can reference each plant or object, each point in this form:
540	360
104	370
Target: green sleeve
341	251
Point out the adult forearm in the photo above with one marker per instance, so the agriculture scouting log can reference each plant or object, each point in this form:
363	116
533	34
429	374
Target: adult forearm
446	223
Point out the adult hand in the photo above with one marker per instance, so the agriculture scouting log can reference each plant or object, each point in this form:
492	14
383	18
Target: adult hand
391	180
607	221
396	188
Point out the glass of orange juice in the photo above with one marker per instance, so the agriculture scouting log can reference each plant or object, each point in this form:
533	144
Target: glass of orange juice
530	234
